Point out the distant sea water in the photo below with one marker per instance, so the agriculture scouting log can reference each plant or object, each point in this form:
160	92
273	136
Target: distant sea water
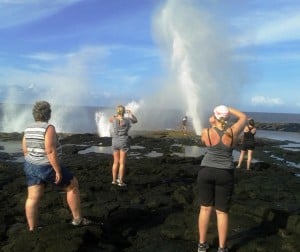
82	119
274	117
277	118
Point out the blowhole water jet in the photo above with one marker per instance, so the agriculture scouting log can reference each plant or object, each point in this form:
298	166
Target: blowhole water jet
197	57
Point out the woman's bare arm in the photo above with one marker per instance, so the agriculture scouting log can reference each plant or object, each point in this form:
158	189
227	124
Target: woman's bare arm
239	126
50	148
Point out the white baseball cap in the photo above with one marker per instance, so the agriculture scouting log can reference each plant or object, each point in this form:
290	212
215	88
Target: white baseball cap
221	111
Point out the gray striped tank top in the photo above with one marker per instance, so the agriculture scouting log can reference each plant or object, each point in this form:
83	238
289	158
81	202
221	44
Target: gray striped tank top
35	144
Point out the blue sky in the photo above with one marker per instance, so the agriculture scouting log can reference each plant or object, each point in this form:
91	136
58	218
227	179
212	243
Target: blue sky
100	52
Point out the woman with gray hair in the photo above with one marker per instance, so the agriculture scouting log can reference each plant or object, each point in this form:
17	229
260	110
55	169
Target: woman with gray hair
42	153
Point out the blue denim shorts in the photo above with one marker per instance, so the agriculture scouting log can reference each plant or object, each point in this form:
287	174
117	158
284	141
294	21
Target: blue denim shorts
37	174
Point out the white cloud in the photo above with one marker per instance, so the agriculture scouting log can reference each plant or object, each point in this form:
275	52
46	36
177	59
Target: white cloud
66	77
15	12
269	27
264	100
43	56
276	56
284	29
87	54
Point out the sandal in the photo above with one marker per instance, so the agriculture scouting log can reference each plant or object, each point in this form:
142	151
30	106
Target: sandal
81	222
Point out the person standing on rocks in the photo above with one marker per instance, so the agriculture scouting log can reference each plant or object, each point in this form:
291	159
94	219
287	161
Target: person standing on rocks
184	125
42	166
216	175
248	144
120	142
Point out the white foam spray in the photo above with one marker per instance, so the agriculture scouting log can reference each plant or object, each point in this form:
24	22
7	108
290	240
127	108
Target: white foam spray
198	63
198	58
103	125
102	118
65	87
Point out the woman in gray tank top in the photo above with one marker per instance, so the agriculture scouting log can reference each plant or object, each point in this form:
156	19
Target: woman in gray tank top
120	143
215	178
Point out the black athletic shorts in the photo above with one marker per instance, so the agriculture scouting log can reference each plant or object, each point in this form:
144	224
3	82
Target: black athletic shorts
248	146
215	187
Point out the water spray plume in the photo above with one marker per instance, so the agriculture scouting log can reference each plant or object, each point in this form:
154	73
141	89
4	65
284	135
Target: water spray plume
102	124
102	118
66	90
133	106
199	76
197	57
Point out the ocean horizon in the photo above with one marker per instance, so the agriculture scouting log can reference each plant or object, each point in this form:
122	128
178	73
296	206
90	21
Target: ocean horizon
93	120
89	119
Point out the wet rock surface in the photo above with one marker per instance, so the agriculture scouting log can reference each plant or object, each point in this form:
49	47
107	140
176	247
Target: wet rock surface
158	210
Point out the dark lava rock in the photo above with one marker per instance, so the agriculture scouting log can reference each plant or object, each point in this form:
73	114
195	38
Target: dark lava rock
158	210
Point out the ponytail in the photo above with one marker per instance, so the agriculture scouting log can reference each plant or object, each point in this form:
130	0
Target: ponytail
120	110
223	123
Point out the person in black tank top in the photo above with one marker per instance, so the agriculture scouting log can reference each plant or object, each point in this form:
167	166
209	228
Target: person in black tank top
248	144
215	182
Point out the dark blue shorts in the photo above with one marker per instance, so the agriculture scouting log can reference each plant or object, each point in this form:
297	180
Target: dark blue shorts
37	174
215	187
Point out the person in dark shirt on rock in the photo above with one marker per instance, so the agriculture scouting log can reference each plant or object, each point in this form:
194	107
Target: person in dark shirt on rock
184	124
248	144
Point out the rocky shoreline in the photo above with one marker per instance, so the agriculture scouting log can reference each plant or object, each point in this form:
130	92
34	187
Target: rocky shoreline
158	210
288	127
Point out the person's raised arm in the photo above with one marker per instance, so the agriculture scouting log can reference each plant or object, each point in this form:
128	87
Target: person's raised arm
132	116
239	125
112	118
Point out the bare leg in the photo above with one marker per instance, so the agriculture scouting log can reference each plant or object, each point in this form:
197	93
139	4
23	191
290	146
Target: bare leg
249	160
35	193
122	165
203	221
73	198
115	167
222	219
241	159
